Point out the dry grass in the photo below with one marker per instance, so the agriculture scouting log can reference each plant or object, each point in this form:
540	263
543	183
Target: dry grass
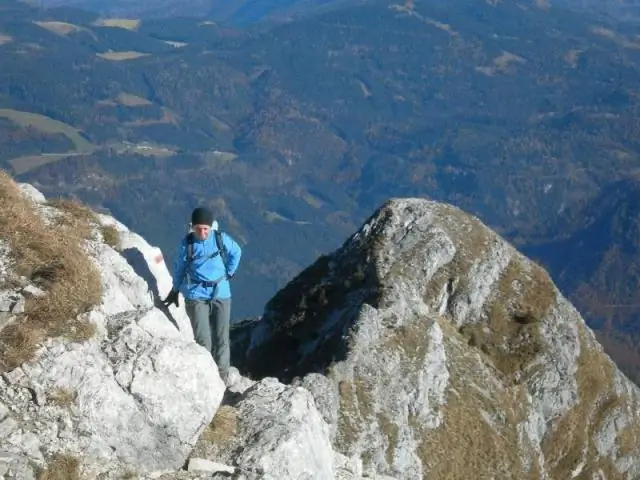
466	445
354	414
223	427
76	216
120	56
61	467
53	259
628	439
572	440
522	298
390	430
62	397
82	219
110	235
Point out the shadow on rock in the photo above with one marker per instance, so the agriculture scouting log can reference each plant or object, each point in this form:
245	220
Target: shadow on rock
135	258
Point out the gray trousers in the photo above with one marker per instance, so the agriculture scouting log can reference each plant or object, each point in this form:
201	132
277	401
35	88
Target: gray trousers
210	323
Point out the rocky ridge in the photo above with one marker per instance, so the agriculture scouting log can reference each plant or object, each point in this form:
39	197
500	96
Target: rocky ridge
434	349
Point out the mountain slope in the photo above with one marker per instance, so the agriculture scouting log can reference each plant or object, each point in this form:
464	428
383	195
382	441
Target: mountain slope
598	266
448	354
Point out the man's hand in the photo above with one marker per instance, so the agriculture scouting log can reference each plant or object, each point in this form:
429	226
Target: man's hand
172	298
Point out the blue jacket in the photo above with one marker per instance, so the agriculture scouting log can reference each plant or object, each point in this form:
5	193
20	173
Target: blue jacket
205	268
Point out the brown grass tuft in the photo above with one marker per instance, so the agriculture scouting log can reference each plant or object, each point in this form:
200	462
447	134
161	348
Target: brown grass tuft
62	397
223	427
76	216
61	467
512	339
354	414
110	235
51	257
468	445
572	439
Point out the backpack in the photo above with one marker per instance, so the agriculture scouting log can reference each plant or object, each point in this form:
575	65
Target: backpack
221	251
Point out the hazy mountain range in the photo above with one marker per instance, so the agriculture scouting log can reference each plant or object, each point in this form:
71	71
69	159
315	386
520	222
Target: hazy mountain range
237	12
243	12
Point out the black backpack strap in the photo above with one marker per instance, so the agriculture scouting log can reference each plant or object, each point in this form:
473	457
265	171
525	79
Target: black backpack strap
189	247
189	258
221	249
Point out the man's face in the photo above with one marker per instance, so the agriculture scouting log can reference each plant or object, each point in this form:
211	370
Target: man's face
201	231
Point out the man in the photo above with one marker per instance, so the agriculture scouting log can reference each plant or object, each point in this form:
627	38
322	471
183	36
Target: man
204	282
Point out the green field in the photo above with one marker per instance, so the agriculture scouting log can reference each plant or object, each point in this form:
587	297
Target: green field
22	165
126	23
64	28
120	56
47	125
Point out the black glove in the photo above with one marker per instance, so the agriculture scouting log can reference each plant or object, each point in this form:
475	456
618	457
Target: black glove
172	298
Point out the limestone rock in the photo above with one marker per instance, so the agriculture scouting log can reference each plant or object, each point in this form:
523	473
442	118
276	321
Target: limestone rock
134	397
280	434
204	465
452	355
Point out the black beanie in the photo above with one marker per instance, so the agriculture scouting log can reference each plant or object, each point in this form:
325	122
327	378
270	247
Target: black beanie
202	216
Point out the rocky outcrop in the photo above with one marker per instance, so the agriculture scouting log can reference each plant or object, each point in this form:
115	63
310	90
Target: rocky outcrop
133	395
434	349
